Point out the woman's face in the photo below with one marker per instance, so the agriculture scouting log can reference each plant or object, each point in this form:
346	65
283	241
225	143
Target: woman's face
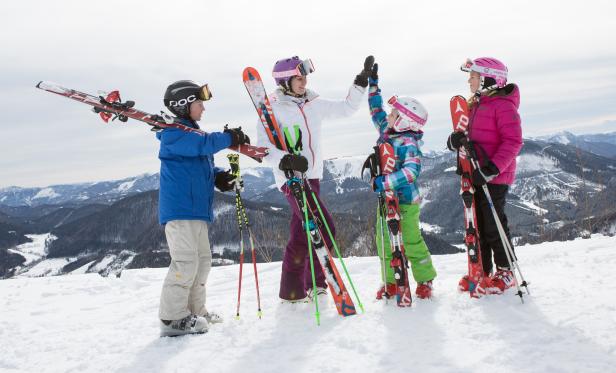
196	110
474	81
298	85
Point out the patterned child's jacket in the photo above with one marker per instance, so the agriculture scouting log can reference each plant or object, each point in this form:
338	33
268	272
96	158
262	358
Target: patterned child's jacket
406	148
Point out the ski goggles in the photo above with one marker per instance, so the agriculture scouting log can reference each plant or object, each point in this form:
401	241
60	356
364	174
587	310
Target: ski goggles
469	66
304	68
204	93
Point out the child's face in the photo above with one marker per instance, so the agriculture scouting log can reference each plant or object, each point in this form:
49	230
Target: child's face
196	110
474	80
391	118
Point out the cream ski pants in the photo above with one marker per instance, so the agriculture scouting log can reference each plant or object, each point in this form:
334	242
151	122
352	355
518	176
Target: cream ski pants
191	260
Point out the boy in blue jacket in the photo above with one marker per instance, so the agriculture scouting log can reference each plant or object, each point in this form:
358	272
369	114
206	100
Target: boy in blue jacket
187	180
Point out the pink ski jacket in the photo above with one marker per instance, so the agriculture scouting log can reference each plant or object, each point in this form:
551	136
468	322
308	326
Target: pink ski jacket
496	130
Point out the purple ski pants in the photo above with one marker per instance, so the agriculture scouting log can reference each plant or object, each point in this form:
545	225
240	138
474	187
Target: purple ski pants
296	276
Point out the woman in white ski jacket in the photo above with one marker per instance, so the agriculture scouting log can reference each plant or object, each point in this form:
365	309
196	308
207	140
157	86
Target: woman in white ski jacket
300	113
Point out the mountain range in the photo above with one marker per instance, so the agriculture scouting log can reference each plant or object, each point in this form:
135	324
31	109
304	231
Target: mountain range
565	188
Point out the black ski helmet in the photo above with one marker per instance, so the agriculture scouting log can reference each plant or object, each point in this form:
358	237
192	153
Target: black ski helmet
180	95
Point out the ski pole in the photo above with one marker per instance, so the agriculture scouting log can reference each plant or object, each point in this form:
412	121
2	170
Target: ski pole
241	213
331	237
503	237
314	279
380	219
507	246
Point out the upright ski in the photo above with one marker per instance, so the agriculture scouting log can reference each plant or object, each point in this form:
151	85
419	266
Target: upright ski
383	162
460	118
111	107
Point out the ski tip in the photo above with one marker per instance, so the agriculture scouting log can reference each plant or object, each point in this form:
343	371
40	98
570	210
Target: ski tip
250	73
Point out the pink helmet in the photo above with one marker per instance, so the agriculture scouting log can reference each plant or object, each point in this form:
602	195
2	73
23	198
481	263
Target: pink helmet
493	72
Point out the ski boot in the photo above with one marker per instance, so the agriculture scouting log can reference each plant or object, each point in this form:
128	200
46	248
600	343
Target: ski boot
191	324
424	290
501	281
391	291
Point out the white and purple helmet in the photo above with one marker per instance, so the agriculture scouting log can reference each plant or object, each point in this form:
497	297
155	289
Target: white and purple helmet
413	115
493	73
287	68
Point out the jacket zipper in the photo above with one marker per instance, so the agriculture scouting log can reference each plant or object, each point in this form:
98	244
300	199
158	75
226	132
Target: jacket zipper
309	134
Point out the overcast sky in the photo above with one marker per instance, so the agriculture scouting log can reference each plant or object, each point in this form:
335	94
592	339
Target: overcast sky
562	55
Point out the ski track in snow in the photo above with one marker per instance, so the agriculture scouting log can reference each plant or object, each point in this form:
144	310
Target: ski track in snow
87	323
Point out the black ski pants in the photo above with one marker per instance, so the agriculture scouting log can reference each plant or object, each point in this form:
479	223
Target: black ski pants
489	238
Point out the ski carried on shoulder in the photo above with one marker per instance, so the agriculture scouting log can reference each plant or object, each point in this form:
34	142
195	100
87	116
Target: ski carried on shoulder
314	220
111	107
460	117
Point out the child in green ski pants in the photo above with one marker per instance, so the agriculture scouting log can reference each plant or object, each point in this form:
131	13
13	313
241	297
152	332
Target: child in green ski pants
402	129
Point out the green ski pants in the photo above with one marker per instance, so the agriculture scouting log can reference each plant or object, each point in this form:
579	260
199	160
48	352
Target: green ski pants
414	246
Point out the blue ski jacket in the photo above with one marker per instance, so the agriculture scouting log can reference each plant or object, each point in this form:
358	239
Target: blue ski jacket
187	173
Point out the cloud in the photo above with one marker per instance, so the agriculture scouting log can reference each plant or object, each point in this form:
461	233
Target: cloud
556	53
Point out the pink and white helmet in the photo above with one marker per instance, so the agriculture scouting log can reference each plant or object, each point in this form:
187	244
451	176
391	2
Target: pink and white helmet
413	115
487	67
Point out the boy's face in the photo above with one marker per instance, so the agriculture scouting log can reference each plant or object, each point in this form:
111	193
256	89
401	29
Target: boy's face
196	110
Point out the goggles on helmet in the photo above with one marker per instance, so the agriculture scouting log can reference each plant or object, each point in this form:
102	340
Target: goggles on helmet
304	68
469	66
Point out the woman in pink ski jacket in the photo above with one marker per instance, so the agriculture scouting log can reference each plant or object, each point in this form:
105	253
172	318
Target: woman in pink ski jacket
496	134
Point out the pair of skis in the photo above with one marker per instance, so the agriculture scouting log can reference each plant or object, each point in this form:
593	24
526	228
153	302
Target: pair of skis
468	161
111	107
314	220
382	162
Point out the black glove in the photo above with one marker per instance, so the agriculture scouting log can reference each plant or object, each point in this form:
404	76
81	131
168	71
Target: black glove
294	163
374	74
362	79
224	181
455	140
237	136
485	173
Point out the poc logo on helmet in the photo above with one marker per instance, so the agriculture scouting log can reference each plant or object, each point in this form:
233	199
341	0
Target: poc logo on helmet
184	101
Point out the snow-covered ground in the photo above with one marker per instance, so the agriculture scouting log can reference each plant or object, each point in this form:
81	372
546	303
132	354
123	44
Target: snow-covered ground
87	323
34	250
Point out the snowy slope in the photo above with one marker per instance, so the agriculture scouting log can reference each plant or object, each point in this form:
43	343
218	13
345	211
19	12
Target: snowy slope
87	323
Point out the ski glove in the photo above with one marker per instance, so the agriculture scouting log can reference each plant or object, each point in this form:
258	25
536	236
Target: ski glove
293	162
224	181
374	74
455	140
362	78
485	174
237	136
377	184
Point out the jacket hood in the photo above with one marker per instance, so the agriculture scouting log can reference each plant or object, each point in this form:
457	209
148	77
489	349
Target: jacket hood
510	92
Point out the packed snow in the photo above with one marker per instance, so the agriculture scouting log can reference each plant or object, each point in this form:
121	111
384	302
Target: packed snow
88	323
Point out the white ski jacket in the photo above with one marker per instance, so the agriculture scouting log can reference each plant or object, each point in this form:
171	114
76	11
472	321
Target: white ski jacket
305	114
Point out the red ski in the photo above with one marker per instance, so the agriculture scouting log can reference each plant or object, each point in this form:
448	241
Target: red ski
256	90
460	117
399	261
111	107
